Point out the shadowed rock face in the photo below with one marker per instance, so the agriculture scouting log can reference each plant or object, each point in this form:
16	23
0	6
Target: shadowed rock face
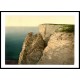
32	49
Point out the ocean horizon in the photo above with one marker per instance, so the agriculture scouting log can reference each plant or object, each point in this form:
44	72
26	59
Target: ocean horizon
14	37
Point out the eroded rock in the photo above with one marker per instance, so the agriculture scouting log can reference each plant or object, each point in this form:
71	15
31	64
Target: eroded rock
32	49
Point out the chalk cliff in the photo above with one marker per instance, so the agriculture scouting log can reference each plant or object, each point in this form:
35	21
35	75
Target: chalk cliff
54	44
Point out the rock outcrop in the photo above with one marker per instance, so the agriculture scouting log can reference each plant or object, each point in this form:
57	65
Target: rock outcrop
60	49
32	49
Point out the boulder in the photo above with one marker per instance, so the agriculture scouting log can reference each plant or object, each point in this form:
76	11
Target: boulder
32	49
60	49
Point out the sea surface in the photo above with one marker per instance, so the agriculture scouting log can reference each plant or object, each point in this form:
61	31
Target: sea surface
14	37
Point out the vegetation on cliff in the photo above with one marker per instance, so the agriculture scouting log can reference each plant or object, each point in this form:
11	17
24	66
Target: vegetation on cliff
66	28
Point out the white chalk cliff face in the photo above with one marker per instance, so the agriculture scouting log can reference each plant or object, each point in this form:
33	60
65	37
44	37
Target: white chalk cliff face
50	46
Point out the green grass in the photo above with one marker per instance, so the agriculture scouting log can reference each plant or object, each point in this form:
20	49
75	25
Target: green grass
66	28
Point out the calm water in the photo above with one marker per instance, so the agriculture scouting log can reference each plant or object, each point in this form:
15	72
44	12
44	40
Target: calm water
14	40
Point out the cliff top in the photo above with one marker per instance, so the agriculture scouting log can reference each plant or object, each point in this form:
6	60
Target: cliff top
60	27
54	24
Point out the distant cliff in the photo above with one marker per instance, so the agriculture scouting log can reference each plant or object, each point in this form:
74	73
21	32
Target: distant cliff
54	44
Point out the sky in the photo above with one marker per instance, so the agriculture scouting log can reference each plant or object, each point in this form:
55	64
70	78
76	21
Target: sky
26	21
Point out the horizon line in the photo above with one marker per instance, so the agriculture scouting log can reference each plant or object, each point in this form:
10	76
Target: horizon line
41	24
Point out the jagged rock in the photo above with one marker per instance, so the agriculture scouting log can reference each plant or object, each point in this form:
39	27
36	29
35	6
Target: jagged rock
32	49
60	49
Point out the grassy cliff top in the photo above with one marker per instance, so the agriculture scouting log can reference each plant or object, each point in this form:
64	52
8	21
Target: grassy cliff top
56	24
63	27
66	28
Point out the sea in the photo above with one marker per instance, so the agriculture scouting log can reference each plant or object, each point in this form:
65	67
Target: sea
14	37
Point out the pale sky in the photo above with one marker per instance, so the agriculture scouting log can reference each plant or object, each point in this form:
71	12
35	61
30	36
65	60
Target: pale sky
20	21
